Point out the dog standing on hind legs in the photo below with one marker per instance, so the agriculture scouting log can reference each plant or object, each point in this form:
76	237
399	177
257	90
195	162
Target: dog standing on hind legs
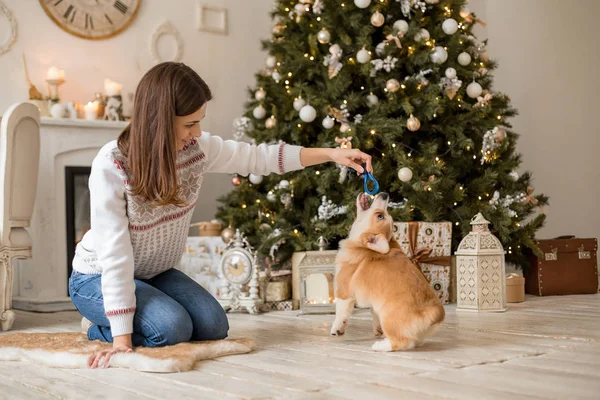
372	271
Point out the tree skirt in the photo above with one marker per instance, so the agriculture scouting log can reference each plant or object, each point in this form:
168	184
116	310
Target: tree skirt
72	350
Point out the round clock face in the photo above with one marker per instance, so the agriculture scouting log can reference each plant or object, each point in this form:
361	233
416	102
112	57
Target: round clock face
237	267
92	19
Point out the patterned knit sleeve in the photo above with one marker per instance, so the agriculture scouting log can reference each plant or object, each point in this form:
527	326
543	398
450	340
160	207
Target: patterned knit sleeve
110	232
230	156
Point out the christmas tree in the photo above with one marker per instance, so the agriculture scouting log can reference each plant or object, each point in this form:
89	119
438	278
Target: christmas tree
403	80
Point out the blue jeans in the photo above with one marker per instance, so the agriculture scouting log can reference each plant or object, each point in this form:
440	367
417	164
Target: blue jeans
170	308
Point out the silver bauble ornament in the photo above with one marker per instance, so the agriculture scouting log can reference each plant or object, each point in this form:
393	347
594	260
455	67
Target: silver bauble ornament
392	85
363	56
377	19
271	123
284	184
323	36
264	227
474	90
255	179
401	26
271	61
308	113
380	48
439	55
259	112
299	103
464	59
362	3
405	174
227	234
450	73
450	26
372	100
260	94
328	122
413	123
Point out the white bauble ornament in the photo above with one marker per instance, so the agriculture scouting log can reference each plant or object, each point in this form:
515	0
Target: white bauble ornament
259	112
272	197
380	48
450	73
271	123
299	103
372	100
255	179
413	123
363	56
308	113
323	36
377	19
276	76
328	122
271	61
260	94
405	174
439	55
465	12
284	184
450	26
362	3
484	56
464	59
392	85
514	175
401	26
474	90
422	35
344	127
335	49
58	111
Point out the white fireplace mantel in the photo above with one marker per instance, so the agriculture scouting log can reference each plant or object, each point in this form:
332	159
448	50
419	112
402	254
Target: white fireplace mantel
41	282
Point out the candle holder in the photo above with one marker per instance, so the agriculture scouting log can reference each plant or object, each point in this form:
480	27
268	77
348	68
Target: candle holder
53	85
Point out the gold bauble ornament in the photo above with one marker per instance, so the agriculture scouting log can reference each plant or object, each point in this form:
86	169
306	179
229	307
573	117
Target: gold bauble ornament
413	123
392	85
377	19
227	234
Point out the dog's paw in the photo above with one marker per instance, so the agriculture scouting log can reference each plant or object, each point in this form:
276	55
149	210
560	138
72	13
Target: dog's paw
382	345
338	328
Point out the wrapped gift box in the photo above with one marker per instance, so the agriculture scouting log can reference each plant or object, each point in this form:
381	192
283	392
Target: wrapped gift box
515	288
429	245
201	260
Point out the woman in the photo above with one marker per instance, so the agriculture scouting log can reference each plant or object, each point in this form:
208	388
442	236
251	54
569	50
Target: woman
144	187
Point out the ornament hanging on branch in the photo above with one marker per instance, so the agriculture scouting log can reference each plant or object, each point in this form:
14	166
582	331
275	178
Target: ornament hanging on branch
405	174
236	181
259	112
362	3
271	123
255	179
377	19
422	36
401	26
450	73
380	48
324	36
387	64
372	100
451	85
308	113
392	85
439	55
474	90
332	60
328	122
363	56
271	196
413	124
317	8
529	199
260	94
483	101
278	28
450	26
464	59
299	103
271	61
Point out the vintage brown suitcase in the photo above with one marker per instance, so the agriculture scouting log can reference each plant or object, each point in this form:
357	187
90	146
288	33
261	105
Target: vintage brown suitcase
567	266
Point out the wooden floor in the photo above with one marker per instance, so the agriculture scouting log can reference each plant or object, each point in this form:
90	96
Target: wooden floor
545	348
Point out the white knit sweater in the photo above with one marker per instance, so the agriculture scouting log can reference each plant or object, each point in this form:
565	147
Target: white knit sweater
130	239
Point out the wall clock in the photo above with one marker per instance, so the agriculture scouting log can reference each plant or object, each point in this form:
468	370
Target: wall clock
92	19
238	275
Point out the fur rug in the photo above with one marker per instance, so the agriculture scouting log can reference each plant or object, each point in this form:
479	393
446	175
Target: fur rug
72	350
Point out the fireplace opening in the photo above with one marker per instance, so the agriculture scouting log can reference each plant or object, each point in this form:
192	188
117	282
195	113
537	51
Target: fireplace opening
77	195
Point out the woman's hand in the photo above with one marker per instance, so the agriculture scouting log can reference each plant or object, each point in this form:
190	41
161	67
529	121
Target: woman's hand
121	344
352	158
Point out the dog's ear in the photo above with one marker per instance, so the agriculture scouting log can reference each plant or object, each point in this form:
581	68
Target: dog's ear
376	242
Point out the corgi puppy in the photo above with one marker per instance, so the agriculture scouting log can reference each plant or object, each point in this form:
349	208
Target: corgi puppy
372	271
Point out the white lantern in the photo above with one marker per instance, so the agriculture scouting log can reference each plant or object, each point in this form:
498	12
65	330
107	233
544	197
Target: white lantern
480	270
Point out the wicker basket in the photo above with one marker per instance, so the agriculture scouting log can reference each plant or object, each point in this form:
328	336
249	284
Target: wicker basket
209	228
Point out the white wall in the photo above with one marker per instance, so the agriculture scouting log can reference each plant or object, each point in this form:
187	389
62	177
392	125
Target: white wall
549	54
227	63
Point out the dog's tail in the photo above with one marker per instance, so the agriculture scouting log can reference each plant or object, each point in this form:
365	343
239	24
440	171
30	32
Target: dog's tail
433	314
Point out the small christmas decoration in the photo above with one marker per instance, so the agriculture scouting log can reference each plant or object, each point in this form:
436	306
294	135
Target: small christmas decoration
377	19
333	60
439	55
491	143
328	210
401	26
271	61
474	90
450	73
372	100
499	134
271	123
380	48
259	112
324	36
451	86
483	101
328	122
405	174
363	56
344	127
480	270
236	181
271	196
241	126
464	59
362	3
450	26
283	184
276	76
308	113
392	85
344	142
255	179
299	103
514	175
260	94
413	123
386	64
227	234
422	35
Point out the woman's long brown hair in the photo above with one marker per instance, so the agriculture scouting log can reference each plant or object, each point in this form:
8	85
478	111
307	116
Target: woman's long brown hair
149	142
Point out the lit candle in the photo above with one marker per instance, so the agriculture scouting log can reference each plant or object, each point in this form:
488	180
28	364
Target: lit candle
91	111
112	88
55	74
